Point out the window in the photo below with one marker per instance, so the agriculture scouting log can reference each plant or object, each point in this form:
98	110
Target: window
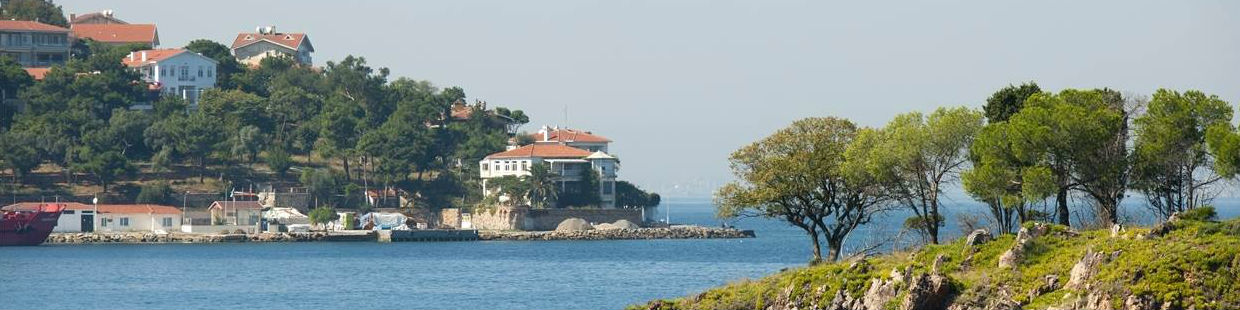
484	167
607	187
525	166
199	71
104	222
210	71
184	73
253	218
67	212
167	221
124	221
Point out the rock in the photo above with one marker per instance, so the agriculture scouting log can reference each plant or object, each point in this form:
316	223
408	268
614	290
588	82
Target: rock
573	224
1012	256
938	262
1116	230
978	237
1164	227
626	224
927	292
1078	278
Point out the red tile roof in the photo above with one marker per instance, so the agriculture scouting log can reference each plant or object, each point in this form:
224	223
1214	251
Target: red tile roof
38	73
290	40
25	25
571	135
135	58
118	33
236	204
542	151
103	208
105	14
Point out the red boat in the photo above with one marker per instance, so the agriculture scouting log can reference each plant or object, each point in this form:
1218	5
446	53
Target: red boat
28	227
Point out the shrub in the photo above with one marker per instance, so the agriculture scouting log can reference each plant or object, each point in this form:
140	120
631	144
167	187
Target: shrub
154	193
1202	214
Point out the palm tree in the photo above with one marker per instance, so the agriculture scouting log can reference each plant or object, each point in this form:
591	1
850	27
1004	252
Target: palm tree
542	186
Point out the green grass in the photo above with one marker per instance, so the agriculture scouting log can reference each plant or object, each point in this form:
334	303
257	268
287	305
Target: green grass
1195	265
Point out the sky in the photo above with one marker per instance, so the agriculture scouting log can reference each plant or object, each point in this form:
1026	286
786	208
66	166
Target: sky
680	84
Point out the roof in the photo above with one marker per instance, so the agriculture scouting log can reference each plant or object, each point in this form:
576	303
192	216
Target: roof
289	40
152	56
237	204
462	112
570	135
103	208
25	25
76	19
38	73
542	151
118	33
600	155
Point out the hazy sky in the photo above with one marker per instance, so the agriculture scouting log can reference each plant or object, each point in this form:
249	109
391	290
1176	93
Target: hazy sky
680	84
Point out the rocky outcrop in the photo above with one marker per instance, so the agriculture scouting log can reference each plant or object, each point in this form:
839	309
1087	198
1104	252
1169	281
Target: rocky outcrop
978	237
928	292
1086	268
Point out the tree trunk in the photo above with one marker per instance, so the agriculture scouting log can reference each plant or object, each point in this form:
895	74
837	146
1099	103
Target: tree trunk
816	246
834	247
202	168
1061	203
345	159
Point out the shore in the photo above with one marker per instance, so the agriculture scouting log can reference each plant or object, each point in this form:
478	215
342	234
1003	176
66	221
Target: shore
679	232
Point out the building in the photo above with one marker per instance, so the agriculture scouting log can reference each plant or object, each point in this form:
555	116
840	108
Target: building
79	217
240	213
251	48
34	44
567	158
101	17
571	137
118	34
174	72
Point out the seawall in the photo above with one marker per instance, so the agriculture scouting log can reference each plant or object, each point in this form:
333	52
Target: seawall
677	232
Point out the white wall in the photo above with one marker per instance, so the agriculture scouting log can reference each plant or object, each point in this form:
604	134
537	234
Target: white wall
137	222
172	83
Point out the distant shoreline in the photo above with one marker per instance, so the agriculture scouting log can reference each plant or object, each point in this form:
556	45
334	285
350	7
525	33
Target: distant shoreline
679	232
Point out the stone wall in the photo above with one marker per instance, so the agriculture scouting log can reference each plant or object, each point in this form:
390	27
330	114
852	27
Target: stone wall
299	201
450	218
498	218
548	219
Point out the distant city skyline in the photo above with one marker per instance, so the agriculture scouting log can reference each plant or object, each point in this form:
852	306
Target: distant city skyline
680	84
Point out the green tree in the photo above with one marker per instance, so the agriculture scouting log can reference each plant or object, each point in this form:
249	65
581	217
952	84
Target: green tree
107	166
12	79
154	193
20	154
1172	159
321	184
542	186
802	175
278	161
1007	101
42	11
322	216
629	195
917	156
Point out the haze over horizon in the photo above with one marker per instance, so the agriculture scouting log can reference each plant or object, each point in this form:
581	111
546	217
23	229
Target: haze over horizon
680	84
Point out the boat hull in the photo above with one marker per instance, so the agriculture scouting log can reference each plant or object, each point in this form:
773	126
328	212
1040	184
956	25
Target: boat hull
28	227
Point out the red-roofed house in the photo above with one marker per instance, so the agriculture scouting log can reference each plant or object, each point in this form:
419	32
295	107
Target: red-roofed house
251	48
174	72
118	34
572	137
34	44
79	217
101	17
567	162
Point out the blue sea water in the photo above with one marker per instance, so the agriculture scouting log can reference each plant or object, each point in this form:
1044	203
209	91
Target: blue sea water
443	275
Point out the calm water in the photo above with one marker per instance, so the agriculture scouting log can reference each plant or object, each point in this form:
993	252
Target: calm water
449	275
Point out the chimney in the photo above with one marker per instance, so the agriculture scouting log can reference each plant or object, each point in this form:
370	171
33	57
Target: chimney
546	133
144	56
72	16
131	56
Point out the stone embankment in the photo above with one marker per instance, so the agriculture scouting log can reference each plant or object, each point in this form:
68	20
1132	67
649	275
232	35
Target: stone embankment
72	238
679	232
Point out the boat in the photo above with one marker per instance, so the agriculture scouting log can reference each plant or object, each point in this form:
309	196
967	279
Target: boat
28	226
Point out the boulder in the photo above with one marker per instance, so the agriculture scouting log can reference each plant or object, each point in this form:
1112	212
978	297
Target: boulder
1085	269
927	292
625	224
573	224
978	237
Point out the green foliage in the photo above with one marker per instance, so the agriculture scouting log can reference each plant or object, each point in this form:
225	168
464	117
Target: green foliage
320	183
1171	156
43	11
629	195
581	193
154	193
278	160
322	215
1008	101
227	63
1202	214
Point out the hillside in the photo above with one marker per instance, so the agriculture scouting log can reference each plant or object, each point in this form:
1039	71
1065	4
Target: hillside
1185	263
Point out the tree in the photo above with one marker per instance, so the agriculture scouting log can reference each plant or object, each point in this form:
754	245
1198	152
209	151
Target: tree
516	189
1171	155
106	166
322	215
1224	143
12	79
278	161
1007	101
629	195
154	193
321	184
802	175
42	11
542	187
917	156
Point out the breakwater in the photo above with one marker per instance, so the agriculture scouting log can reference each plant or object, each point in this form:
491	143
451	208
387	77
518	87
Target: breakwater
680	232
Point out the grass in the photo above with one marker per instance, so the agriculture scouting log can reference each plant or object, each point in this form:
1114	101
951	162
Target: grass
1196	265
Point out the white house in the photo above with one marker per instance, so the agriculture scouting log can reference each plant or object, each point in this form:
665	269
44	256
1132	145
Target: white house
564	160
251	48
175	72
241	213
79	217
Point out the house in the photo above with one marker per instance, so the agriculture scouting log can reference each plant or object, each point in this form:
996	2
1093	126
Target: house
251	48
36	73
118	34
239	213
101	17
34	44
174	72
565	161
571	137
79	217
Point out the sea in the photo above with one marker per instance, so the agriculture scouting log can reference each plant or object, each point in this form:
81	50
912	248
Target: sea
427	275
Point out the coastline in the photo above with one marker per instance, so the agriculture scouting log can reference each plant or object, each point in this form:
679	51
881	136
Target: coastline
679	232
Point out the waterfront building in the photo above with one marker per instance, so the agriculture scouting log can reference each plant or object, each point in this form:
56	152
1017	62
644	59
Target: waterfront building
80	217
251	48
118	34
174	72
567	153
240	213
34	44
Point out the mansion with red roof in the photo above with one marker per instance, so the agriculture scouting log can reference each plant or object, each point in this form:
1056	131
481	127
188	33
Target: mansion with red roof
568	153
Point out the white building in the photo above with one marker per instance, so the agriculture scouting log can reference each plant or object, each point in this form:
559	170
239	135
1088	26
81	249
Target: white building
175	72
251	48
79	217
568	156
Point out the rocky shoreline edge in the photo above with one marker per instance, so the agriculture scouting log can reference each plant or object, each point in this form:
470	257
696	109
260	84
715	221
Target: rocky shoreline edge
689	232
